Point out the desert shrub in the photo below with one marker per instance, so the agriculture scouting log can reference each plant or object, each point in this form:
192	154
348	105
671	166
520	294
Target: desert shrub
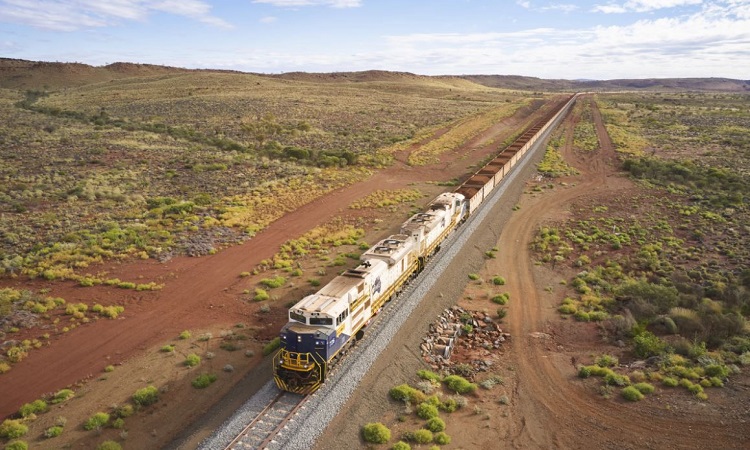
435	424
449	405
16	445
96	421
167	349
716	382
62	395
271	346
52	432
433	400
647	344
4	367
473	276
185	335
12	429
498	281
669	382
109	368
420	436
501	299
427	411
501	313
584	371
118	423
192	360
607	361
459	384
376	433
35	407
632	394
203	381
428	375
261	295
644	388
404	392
109	445
442	438
616	379
124	411
274	282
146	396
717	370
401	445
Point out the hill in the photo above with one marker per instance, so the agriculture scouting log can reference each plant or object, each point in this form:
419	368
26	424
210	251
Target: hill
23	74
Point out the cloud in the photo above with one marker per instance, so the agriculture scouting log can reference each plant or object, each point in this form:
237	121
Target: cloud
268	19
60	15
712	42
331	3
642	6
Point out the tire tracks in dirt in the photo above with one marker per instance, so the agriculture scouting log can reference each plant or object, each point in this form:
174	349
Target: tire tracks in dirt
550	409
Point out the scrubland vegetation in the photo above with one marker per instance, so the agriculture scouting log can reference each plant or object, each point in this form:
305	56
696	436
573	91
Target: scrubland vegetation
667	270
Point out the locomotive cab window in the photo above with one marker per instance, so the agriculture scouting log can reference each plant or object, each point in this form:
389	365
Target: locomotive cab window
321	321
298	317
342	317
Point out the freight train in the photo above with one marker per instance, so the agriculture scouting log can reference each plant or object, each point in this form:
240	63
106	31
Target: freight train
322	326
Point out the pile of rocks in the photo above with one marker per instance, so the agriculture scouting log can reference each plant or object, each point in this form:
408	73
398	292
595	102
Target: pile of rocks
457	327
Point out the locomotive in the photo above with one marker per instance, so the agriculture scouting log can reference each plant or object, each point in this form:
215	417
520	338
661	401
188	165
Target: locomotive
322	326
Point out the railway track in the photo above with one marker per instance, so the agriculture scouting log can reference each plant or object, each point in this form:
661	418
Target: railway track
262	430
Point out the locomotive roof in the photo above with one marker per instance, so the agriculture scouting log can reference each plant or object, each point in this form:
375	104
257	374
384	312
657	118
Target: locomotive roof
391	249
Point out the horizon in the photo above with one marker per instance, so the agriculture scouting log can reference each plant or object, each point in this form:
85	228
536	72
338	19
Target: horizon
588	40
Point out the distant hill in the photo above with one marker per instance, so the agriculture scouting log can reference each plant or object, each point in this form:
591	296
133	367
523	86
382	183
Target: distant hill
647	84
23	74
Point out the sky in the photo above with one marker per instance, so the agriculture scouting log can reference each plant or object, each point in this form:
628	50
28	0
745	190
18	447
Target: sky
598	39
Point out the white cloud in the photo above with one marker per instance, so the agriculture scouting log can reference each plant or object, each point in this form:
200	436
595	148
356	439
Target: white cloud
59	15
331	3
643	5
712	42
523	3
268	19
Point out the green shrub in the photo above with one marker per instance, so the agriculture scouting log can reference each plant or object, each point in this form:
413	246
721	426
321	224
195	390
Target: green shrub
716	382
124	411
404	392
12	429
109	445
459	384
449	405
501	299
647	344
185	335
421	436
314	282
717	370
274	282
17	445
442	438
261	295
584	371
669	382
498	281
146	396
616	379
271	346
96	421
118	423
427	410
109	368
501	313
401	445
428	375
192	360
435	424
607	361
52	432
204	381
473	276
376	433
632	394
644	388
167	349
35	407
62	395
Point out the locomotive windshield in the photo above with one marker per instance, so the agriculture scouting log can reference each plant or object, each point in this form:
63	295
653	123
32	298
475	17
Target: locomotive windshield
298	317
321	321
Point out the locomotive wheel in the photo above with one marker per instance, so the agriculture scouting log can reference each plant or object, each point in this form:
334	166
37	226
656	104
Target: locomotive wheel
360	334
